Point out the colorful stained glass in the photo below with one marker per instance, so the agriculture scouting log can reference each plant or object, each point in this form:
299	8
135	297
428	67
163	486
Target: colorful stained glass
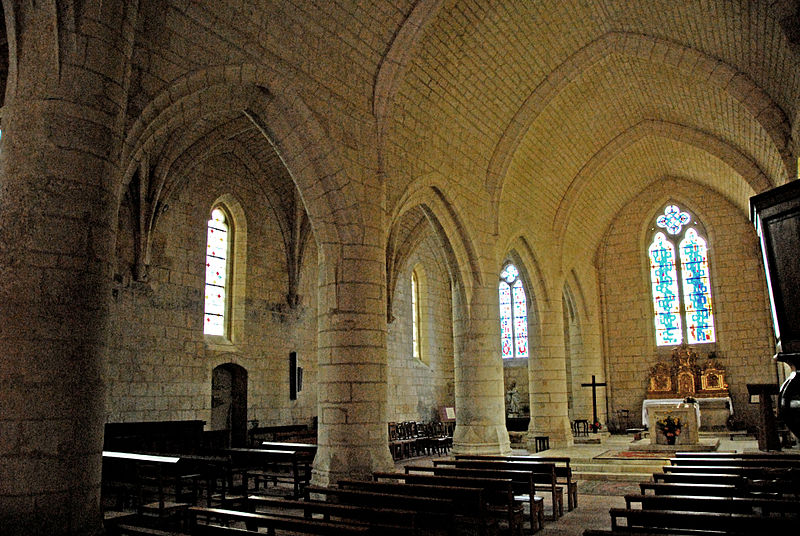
216	274
506	329
520	320
513	314
673	219
664	278
696	289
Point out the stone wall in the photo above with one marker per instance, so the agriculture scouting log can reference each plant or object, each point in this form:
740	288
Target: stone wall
419	387
741	311
160	362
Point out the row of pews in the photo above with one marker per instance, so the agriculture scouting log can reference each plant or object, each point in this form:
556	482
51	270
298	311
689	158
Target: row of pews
410	438
714	493
483	495
157	489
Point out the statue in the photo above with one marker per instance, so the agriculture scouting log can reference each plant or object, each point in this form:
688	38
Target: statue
512	399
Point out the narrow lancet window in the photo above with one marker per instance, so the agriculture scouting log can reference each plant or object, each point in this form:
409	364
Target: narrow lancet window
217	268
415	321
513	314
696	289
663	275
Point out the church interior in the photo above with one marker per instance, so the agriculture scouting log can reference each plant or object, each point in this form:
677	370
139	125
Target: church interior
510	226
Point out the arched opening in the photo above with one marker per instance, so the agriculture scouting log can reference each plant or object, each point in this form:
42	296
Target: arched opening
229	403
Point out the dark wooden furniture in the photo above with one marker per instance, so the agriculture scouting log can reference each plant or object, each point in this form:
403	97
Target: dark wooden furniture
542	473
683	521
563	470
266	465
523	485
776	215
154	436
498	493
254	521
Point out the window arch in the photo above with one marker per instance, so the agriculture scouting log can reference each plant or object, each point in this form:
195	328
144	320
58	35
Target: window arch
419	314
681	284
513	314
218	264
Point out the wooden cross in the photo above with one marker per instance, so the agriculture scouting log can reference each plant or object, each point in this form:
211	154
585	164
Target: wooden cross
594	385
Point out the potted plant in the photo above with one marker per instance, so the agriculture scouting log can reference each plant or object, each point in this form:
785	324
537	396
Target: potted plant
670	426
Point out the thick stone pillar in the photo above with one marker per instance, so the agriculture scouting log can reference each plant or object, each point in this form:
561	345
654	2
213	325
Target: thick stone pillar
547	377
479	390
353	439
57	224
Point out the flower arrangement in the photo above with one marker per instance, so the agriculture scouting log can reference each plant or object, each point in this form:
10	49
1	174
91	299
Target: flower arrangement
670	426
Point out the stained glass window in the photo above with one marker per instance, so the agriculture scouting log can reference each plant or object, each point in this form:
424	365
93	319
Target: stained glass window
664	277
696	288
682	312
513	314
415	314
217	247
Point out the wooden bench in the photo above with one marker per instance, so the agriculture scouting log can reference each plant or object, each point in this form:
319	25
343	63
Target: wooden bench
272	523
740	455
543	474
522	481
696	490
306	449
469	504
563	470
267	465
391	518
743	505
432	513
749	472
498	493
772	461
702	478
682	521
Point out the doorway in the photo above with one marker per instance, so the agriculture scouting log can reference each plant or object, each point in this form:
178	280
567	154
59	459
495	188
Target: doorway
229	403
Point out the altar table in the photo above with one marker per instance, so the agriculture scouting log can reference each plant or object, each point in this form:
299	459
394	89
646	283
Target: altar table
675	401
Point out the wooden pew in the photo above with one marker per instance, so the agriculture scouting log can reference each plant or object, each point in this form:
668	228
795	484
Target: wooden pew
563	470
469	503
696	490
743	505
272	523
498	493
145	478
392	518
748	472
306	449
543	474
702	478
432	513
524	485
739	462
275	466
740	455
682	521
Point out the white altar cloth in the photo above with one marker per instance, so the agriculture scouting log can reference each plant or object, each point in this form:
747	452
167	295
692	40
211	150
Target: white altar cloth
675	401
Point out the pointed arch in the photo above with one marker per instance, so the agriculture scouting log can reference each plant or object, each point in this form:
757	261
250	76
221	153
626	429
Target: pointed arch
694	62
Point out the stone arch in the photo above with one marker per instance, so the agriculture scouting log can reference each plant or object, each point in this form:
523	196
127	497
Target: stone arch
395	62
739	85
450	229
269	102
738	161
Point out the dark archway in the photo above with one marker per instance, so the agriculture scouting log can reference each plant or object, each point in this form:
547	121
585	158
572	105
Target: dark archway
229	403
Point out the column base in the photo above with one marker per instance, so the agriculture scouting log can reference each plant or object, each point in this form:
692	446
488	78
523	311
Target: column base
353	463
478	439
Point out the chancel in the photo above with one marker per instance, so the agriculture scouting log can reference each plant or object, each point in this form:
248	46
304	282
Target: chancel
336	219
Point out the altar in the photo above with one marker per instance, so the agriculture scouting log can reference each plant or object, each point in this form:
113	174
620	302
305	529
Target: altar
686	414
686	380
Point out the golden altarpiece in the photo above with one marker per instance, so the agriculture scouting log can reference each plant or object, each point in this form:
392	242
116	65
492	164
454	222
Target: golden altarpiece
685	378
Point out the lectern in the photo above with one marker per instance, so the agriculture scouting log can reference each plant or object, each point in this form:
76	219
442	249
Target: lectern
767	428
776	215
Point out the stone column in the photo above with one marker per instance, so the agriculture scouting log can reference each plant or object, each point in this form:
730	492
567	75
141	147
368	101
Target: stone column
57	226
353	439
479	390
547	377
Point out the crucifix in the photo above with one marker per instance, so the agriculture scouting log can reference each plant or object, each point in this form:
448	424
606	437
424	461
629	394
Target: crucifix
594	385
